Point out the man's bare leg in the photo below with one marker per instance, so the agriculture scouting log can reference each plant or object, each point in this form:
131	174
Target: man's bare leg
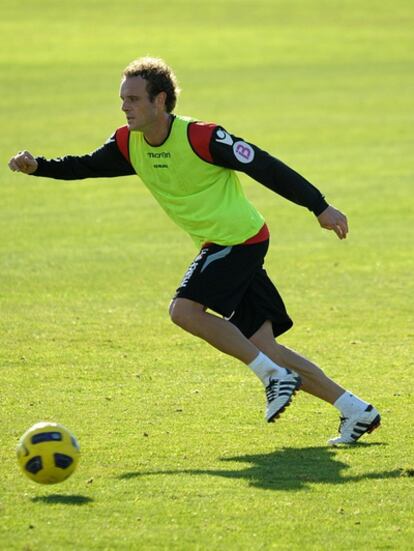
280	383
218	332
357	417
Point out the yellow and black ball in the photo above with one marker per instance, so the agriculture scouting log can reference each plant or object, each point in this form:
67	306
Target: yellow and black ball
48	453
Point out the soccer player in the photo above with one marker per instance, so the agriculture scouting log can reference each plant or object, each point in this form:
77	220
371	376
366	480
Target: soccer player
189	166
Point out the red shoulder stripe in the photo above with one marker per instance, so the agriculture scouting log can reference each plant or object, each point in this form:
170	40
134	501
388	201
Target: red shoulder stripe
199	136
122	141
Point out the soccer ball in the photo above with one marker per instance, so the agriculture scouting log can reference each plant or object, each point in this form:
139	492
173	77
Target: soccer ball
48	453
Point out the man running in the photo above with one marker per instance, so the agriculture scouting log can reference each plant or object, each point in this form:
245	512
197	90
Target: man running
189	166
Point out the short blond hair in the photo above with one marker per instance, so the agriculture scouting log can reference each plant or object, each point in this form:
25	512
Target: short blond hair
159	77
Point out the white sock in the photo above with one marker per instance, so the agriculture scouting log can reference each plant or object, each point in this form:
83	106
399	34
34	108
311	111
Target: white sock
347	404
264	367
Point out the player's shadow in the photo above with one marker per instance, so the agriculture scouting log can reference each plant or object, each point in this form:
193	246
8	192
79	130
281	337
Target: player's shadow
53	499
284	469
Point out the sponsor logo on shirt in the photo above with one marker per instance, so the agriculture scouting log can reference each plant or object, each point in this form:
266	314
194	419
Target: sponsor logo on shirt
243	152
159	156
162	155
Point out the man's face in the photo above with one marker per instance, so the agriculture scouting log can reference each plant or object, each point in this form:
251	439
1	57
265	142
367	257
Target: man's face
140	112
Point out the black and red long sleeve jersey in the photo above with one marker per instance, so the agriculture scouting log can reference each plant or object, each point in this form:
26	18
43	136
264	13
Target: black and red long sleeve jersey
210	142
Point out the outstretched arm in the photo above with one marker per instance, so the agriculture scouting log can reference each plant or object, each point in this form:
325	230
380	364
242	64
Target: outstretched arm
105	162
215	145
269	171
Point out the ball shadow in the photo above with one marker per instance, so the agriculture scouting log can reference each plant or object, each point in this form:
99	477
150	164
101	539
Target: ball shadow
54	499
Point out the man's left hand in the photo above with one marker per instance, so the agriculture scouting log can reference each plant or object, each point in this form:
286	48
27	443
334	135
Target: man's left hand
333	219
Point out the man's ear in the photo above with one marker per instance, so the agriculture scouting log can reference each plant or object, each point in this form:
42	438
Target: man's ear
160	99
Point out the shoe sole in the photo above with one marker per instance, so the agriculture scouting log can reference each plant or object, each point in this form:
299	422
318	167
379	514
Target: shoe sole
277	414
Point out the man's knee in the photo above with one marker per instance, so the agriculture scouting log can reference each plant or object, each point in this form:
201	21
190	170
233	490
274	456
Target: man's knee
184	312
175	311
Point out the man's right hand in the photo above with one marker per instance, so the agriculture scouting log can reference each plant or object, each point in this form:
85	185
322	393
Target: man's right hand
23	162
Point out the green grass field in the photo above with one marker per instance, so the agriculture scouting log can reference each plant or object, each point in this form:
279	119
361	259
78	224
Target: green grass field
175	452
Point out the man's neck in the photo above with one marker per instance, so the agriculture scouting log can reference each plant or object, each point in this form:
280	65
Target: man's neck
159	132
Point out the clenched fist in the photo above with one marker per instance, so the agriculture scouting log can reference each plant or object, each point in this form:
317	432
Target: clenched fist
23	162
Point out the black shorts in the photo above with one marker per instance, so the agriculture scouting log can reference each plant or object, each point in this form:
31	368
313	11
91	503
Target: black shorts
232	282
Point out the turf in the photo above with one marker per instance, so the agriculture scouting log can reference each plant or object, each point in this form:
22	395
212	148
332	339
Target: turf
175	453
